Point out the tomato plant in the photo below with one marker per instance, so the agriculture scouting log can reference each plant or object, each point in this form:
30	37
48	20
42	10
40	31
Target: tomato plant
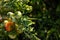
29	20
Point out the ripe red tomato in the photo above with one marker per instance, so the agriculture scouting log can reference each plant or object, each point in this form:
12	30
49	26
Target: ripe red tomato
8	26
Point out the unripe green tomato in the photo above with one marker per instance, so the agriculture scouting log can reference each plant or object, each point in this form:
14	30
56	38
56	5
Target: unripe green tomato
12	36
28	8
19	14
19	31
10	13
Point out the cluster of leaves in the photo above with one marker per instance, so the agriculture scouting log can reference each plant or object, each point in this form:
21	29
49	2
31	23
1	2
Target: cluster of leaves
14	5
47	25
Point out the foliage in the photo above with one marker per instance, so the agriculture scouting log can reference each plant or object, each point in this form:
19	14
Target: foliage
33	19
